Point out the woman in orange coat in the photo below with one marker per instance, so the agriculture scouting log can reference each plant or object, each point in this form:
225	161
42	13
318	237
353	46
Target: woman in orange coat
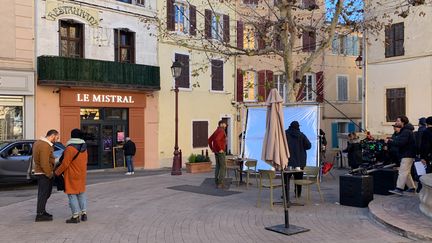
74	167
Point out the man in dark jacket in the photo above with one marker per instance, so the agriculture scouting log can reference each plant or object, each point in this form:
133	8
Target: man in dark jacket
298	143
426	148
129	151
405	143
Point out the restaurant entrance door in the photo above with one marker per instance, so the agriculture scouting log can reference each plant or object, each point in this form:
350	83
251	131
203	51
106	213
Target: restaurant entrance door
103	129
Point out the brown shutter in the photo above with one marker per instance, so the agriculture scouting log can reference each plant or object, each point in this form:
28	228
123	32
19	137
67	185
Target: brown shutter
226	28
309	41
300	95
192	19
183	80
239	85
200	134
269	83
170	15
389	41
261	85
312	41
207	23
217	75
320	86
240	34
261	43
116	47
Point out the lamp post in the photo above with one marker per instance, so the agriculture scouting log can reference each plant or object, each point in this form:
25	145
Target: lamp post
176	70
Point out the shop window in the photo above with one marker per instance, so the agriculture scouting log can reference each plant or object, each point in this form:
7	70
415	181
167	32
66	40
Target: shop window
124	42
200	134
71	39
116	114
395	99
11	120
89	114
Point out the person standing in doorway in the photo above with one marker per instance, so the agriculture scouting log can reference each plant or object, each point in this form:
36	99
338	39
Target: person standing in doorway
405	144
217	143
129	149
298	143
43	159
74	167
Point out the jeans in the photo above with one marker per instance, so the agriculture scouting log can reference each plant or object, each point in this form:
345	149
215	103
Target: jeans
129	163
78	203
220	168
405	174
45	185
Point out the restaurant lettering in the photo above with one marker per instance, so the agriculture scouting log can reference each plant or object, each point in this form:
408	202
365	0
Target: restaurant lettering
98	98
54	10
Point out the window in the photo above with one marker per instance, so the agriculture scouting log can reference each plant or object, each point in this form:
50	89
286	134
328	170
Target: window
124	42
308	94
394	40
309	4
19	150
11	120
395	99
217	75
342	88
200	134
280	85
249	37
181	22
125	1
359	88
217	27
183	80
309	40
71	39
140	2
346	45
250	86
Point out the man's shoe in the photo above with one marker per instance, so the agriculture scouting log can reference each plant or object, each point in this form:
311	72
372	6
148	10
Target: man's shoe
47	214
397	191
42	217
84	217
411	190
73	220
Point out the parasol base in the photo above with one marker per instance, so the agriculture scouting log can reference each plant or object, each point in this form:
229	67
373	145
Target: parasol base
291	230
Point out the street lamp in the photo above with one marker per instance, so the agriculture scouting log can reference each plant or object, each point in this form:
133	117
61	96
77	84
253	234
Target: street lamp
176	70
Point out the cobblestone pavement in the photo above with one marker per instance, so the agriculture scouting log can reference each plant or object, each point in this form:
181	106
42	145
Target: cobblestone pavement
144	210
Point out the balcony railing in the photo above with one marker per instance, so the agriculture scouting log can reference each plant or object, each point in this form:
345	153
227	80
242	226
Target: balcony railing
78	72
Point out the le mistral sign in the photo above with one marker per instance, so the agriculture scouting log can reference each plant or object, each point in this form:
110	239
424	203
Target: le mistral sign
96	98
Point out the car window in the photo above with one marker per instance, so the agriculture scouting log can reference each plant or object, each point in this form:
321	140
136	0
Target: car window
19	149
58	146
3	144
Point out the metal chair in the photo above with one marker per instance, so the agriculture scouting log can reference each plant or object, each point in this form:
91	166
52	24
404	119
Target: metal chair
270	175
312	177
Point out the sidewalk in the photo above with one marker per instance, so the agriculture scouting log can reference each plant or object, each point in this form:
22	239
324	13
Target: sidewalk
144	210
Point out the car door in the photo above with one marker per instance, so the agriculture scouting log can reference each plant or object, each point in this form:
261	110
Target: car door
16	159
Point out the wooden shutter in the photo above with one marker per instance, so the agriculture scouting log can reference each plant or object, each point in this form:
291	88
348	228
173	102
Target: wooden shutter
399	39
300	95
261	85
320	86
334	132
170	15
183	80
200	134
261	42
240	34
207	23
239	85
389	41
226	28
309	41
269	82
192	19
217	75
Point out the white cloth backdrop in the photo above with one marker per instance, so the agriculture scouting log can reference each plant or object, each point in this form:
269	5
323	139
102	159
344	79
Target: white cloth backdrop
306	115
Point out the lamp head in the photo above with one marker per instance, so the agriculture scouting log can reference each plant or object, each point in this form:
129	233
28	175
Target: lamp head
176	69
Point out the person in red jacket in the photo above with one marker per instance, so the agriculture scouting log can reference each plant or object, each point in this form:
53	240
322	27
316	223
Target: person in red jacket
217	143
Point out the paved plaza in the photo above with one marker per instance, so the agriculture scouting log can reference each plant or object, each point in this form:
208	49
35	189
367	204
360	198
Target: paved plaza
143	209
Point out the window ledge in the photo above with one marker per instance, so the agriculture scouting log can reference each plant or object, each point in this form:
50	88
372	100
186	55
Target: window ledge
218	91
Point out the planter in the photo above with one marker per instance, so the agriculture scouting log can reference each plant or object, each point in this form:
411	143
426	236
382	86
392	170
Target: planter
198	167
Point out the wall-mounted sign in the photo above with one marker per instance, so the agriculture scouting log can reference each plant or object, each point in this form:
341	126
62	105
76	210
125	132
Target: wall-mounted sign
56	9
101	98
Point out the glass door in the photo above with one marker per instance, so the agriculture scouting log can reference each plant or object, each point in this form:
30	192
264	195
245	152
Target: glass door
107	146
92	138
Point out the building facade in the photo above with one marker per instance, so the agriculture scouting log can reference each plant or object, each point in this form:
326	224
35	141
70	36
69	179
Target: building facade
191	34
399	58
333	80
98	71
17	70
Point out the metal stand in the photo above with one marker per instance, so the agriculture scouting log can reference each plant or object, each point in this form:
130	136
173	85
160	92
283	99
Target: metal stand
286	228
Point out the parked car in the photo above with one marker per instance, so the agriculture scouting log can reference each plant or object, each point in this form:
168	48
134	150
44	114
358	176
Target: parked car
15	159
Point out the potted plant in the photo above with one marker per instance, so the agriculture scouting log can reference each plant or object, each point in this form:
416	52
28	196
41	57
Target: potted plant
198	163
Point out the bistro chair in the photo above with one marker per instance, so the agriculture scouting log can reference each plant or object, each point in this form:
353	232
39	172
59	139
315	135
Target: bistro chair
266	180
231	165
250	168
311	176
